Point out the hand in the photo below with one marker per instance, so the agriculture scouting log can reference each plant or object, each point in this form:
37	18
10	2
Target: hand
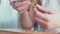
47	18
20	6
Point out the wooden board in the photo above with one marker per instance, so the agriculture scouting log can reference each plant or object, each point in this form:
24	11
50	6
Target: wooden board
26	32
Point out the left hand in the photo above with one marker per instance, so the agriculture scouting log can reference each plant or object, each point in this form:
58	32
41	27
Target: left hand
47	18
21	7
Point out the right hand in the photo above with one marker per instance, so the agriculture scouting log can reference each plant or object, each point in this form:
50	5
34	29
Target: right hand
20	6
47	18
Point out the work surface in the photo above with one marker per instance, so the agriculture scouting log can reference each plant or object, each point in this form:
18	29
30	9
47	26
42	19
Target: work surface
25	32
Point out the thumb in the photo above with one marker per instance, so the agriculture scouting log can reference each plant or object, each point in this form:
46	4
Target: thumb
44	10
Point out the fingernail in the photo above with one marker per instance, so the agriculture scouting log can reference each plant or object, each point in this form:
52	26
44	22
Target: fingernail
37	5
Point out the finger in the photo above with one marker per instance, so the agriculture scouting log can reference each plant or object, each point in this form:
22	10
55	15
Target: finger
13	5
13	0
52	26
44	10
21	4
23	9
41	22
40	15
17	4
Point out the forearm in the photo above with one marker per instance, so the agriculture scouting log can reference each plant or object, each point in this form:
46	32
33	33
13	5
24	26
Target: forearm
27	18
26	21
31	9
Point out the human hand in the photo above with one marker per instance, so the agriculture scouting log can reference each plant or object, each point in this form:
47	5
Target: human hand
47	18
20	6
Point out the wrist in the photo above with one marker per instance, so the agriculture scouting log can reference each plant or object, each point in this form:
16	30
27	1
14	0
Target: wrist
23	12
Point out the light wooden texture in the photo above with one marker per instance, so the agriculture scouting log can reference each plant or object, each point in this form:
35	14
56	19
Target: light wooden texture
27	32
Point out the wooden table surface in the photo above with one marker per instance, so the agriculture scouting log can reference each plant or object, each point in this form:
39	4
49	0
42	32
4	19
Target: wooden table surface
26	32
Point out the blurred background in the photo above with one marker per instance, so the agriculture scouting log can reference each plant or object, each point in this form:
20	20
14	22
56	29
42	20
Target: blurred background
8	16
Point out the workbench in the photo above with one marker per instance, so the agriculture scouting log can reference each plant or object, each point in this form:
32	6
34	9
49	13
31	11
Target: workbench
18	31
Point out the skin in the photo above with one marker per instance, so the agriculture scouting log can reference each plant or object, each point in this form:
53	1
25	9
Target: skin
27	17
49	19
40	14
